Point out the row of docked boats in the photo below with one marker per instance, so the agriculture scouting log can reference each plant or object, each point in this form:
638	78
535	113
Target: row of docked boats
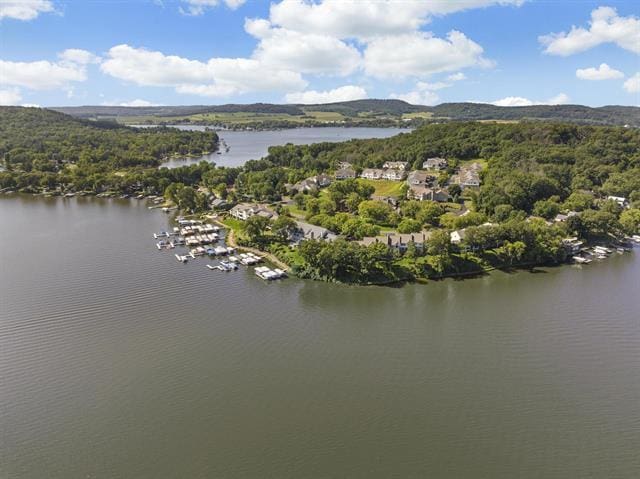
587	255
224	265
269	274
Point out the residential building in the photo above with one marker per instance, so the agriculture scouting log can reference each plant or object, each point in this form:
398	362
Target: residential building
458	236
306	231
218	203
572	245
423	193
435	164
561	218
372	173
399	242
313	183
622	201
345	173
244	211
396	165
393	174
466	179
322	180
305	186
420	178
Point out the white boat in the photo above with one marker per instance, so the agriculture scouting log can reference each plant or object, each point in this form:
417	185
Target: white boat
581	260
182	259
267	274
228	265
234	259
220	250
636	238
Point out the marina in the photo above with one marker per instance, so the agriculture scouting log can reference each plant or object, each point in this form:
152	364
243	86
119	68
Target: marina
197	237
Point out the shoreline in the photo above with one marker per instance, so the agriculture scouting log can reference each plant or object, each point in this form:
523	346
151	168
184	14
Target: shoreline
270	257
230	240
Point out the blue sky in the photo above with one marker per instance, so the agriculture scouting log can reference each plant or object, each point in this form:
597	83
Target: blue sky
142	52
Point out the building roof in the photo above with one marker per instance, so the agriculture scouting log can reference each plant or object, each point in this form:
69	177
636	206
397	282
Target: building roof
420	176
314	231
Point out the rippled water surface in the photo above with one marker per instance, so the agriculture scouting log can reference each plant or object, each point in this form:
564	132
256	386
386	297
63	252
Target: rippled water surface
253	145
116	361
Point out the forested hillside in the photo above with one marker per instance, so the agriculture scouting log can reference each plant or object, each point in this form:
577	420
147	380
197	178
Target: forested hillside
357	112
41	147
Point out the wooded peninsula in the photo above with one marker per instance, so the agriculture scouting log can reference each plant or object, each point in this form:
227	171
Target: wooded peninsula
445	199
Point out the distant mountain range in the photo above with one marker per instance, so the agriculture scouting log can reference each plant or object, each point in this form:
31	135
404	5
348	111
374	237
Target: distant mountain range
366	109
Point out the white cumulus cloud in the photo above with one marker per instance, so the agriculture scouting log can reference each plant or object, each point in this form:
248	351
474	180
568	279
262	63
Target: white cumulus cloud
367	19
198	7
603	72
421	54
137	102
559	99
41	75
78	56
303	52
457	77
343	93
417	97
216	77
24	9
606	26
632	85
10	96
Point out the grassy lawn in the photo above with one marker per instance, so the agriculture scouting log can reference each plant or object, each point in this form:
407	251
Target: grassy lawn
325	115
233	224
417	114
386	187
478	160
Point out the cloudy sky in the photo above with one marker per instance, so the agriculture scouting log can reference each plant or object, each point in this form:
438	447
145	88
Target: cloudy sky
147	52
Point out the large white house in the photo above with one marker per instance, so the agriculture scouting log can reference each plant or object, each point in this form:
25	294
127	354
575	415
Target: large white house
394	175
372	173
244	211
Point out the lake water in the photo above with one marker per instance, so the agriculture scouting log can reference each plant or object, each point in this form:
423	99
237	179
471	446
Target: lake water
252	145
116	361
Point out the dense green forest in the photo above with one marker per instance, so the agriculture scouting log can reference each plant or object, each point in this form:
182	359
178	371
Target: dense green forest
357	112
43	148
531	172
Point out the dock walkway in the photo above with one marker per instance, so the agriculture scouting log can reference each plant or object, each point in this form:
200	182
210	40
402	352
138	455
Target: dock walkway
231	241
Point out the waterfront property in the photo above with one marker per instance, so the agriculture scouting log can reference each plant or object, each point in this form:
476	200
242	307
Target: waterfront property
244	211
398	241
306	231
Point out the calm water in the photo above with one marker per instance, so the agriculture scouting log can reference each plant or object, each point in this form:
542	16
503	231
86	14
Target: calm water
119	362
252	145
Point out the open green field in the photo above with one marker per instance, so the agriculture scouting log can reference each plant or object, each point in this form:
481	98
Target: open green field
386	187
417	114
